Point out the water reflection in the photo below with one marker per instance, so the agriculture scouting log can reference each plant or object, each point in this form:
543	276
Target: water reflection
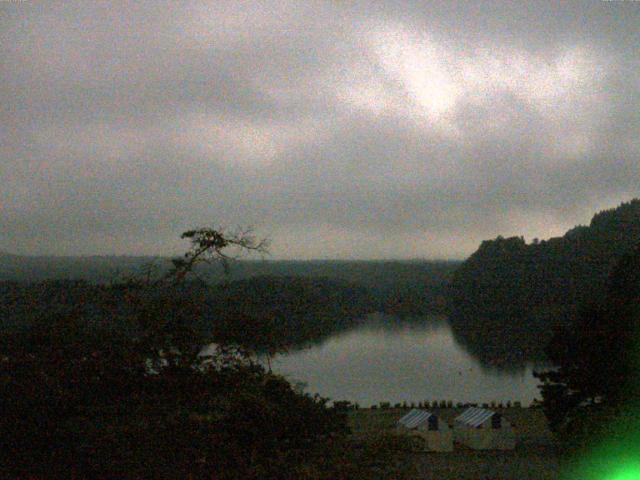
386	358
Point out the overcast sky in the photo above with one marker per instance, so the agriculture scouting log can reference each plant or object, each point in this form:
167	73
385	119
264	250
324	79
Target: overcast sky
338	129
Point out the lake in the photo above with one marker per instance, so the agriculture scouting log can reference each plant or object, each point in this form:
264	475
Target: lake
386	359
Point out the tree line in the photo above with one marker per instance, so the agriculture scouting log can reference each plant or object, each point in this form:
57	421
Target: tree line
508	296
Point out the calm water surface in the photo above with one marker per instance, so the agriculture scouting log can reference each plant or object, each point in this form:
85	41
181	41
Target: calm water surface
387	360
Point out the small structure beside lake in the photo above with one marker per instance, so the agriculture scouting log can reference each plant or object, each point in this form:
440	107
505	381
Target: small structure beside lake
483	429
436	434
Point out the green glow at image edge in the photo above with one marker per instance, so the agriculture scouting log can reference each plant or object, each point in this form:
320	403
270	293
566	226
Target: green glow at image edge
616	456
606	465
626	472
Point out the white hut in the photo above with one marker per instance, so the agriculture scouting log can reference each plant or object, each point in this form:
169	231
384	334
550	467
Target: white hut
483	429
436	434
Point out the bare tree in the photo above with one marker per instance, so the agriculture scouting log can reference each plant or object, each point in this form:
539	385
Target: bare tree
210	245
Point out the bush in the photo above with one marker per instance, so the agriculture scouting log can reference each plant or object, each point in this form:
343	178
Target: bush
84	402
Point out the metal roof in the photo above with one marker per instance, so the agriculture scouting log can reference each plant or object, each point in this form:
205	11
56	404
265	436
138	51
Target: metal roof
474	416
415	418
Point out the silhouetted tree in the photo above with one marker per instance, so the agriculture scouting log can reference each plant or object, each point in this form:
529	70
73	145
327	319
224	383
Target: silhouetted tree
140	400
507	297
596	356
114	382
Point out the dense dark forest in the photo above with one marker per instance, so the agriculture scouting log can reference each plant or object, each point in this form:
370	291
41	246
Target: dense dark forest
260	314
596	358
284	312
508	296
410	287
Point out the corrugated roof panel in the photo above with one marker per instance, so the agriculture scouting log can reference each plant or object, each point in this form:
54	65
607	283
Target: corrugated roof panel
415	418
409	416
474	416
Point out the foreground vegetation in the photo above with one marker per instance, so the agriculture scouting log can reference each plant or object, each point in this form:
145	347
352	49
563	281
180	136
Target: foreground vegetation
132	395
592	398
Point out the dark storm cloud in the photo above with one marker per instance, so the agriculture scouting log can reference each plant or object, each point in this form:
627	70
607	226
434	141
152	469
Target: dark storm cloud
351	129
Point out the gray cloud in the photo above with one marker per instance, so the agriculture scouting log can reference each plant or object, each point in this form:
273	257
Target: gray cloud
342	129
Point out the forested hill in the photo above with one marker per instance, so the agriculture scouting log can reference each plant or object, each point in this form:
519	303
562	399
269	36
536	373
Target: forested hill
284	311
508	294
257	313
398	286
